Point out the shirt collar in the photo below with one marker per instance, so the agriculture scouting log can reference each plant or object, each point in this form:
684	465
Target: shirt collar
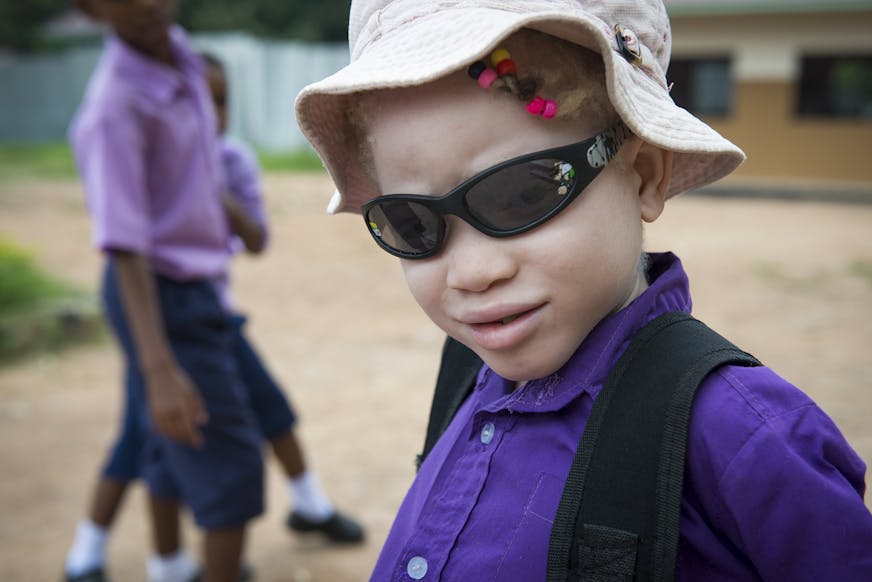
156	80
587	369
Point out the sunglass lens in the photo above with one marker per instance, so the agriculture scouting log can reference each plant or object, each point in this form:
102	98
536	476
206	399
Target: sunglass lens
407	227
519	195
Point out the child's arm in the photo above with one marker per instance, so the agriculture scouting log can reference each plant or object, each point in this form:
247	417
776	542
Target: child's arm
176	407
252	233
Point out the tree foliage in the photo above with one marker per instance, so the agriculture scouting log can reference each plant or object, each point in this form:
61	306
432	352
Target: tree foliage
324	20
308	20
20	21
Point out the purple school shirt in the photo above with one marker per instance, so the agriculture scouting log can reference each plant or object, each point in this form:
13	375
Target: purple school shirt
145	142
242	174
772	490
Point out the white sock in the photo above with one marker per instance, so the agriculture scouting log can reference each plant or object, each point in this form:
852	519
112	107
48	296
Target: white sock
88	551
178	567
308	498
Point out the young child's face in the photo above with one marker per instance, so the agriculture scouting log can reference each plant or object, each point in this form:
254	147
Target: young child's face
218	88
523	303
143	24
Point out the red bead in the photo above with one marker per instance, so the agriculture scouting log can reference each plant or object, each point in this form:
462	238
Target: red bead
505	67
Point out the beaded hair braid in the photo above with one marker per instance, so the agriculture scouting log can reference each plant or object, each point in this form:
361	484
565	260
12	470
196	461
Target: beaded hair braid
504	75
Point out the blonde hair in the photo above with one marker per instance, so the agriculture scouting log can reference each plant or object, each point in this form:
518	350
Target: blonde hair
570	75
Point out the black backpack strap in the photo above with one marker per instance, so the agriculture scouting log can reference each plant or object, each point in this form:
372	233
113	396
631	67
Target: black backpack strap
457	374
618	518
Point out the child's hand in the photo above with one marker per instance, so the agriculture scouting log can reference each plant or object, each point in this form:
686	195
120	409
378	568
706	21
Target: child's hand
244	226
175	405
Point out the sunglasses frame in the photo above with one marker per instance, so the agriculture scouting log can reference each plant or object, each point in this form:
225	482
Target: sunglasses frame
588	158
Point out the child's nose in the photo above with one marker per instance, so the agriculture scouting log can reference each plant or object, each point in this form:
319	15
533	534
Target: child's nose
476	261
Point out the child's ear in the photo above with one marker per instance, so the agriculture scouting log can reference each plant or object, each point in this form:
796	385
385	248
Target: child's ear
89	7
653	166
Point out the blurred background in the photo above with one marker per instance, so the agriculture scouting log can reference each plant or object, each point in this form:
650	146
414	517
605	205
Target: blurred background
779	255
790	80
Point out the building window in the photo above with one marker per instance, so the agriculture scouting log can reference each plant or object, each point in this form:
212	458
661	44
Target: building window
836	86
703	86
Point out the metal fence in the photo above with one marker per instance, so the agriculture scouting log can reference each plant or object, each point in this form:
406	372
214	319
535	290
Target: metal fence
39	94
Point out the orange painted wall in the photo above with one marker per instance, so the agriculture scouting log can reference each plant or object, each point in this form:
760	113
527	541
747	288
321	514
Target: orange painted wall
781	145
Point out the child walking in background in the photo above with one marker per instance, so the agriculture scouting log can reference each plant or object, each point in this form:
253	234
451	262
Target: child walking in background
509	154
311	510
146	148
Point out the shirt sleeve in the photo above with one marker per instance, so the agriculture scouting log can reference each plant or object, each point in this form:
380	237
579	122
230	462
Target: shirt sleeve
243	179
111	156
790	494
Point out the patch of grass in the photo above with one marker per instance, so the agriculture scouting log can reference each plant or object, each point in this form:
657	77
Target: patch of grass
53	161
861	268
23	285
299	160
50	329
39	313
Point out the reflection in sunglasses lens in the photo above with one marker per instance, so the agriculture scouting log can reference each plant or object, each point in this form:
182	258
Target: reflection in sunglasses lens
519	195
405	226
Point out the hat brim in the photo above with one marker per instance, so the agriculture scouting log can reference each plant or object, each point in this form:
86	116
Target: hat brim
438	43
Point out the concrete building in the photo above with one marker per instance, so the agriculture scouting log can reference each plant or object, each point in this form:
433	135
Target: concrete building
790	81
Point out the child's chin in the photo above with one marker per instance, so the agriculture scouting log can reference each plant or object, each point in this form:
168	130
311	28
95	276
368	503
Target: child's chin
518	373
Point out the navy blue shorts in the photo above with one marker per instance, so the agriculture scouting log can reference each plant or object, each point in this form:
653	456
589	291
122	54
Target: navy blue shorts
272	411
222	482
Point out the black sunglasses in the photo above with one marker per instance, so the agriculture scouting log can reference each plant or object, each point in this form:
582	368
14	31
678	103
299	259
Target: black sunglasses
506	199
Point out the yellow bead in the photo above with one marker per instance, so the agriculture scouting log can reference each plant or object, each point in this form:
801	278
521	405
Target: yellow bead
499	55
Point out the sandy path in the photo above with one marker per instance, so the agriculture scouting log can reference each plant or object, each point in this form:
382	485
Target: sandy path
332	318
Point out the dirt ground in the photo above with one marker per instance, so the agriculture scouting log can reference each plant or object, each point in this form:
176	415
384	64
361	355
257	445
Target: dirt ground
790	282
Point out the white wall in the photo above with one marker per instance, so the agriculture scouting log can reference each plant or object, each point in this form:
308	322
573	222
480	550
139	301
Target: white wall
40	94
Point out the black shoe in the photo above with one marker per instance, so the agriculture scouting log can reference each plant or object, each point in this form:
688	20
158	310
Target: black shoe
91	576
339	528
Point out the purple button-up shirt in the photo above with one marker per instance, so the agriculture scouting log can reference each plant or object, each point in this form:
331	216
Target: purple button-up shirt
146	145
772	490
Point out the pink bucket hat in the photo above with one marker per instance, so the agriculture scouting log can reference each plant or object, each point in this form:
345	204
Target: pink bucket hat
399	43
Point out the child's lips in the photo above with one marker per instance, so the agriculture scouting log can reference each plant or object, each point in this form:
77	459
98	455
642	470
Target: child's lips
503	330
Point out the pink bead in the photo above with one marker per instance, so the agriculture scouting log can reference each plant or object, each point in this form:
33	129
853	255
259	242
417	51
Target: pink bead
487	77
550	109
536	106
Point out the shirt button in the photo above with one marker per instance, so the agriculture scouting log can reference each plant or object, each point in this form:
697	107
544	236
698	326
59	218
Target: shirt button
487	433
416	568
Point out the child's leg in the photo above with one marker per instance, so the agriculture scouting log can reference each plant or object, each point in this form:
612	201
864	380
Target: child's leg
88	551
223	554
170	561
289	453
108	497
164	513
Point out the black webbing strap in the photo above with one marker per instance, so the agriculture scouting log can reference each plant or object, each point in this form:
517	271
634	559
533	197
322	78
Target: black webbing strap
457	373
618	517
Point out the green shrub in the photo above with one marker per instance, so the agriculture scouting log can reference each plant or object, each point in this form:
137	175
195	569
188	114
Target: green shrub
23	285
